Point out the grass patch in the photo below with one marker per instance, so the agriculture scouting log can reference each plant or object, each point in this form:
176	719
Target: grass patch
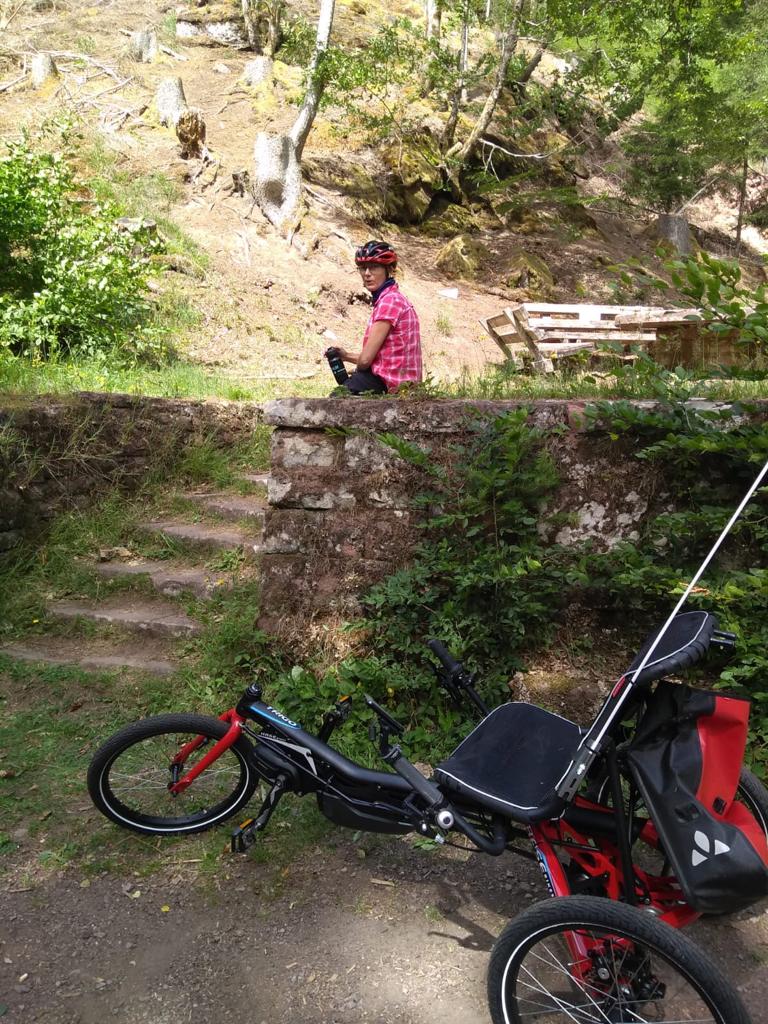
645	382
178	379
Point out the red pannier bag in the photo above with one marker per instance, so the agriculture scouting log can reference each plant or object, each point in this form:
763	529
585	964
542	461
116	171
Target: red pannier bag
685	758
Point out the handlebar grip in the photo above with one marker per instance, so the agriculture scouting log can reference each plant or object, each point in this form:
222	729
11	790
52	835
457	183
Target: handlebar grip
426	789
443	655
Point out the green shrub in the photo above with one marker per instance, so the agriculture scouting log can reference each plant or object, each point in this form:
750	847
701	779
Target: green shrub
71	281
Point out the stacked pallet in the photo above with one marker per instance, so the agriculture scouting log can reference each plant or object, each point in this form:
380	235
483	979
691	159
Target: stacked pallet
542	332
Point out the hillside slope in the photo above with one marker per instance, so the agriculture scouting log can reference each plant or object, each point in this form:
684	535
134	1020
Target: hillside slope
263	305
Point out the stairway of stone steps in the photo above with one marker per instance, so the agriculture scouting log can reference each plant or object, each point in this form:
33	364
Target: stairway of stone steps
216	540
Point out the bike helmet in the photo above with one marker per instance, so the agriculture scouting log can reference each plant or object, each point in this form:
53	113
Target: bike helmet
376	252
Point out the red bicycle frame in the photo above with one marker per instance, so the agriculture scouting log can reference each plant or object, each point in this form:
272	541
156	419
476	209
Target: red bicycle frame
236	724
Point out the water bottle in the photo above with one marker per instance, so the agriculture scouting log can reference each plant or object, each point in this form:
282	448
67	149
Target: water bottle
336	364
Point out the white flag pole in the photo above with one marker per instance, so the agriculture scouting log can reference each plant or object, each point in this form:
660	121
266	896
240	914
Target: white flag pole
701	571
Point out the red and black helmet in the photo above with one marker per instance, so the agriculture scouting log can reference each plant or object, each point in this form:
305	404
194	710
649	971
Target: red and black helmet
376	252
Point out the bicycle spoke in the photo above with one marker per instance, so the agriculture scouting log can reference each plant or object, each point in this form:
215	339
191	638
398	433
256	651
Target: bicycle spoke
551	986
141	777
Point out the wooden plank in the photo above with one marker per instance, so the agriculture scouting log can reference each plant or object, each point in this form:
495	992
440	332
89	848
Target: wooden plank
546	323
519	317
563	348
498	320
577	309
509	355
660	318
506	330
592	336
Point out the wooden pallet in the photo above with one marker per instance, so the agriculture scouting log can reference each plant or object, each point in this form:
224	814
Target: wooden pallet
539	332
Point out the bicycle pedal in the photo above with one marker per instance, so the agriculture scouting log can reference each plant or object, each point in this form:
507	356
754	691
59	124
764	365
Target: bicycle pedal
243	837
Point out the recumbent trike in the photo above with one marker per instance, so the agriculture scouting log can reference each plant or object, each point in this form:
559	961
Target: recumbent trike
640	823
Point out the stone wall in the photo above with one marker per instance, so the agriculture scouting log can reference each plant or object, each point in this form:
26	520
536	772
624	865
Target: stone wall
57	453
341	515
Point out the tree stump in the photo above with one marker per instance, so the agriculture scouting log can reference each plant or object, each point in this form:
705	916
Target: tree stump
170	101
277	177
42	69
241	183
257	70
187	121
190	131
671	227
143	45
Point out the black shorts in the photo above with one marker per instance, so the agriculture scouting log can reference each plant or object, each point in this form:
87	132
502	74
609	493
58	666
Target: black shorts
362	381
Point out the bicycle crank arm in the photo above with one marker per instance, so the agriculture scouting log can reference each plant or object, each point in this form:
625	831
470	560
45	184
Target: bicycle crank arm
245	836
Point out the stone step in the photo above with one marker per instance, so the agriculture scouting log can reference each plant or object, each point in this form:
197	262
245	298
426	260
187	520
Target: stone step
167	578
233	507
134	614
145	655
257	479
208	535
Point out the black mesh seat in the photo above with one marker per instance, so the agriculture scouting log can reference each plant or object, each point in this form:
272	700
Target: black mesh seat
512	761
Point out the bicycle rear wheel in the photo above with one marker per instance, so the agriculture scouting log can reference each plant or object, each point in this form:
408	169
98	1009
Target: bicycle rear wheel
587	959
129	776
753	794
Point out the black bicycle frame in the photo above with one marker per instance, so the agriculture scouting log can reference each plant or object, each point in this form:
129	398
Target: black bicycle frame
347	793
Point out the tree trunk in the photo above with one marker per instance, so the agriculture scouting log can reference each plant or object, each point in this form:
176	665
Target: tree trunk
434	14
460	152
671	227
277	158
263	28
252	23
274	27
459	95
742	203
464	56
525	75
303	123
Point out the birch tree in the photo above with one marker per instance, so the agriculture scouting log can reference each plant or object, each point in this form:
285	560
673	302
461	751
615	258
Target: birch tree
277	158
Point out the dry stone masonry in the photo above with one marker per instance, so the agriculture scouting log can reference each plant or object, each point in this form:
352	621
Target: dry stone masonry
341	514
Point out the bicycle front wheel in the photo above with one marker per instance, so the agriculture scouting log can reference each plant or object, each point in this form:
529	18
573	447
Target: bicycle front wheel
587	959
130	775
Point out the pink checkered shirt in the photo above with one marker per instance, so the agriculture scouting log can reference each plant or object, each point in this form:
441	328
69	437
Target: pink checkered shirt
399	358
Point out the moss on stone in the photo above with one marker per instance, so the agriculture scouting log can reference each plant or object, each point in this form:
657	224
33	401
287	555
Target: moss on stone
462	257
530	273
452	220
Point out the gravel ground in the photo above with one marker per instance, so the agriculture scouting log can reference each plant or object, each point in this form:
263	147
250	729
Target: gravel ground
400	936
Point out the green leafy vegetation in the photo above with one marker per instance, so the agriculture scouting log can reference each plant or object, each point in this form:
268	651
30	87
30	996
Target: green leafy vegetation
72	281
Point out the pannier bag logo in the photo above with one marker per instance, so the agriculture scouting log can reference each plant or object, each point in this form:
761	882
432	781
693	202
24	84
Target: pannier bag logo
702	841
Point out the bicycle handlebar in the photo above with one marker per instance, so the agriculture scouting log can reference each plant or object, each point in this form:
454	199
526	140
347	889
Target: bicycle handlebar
494	846
443	655
426	789
435	800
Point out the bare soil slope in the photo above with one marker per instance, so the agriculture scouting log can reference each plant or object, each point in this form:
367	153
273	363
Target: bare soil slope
265	304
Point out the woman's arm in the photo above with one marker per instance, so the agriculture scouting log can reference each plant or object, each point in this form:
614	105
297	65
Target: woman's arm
376	338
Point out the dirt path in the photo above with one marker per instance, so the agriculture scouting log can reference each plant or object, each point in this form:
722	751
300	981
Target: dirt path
401	936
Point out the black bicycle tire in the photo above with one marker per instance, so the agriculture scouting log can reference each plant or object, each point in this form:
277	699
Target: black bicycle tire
756	796
110	806
596	912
